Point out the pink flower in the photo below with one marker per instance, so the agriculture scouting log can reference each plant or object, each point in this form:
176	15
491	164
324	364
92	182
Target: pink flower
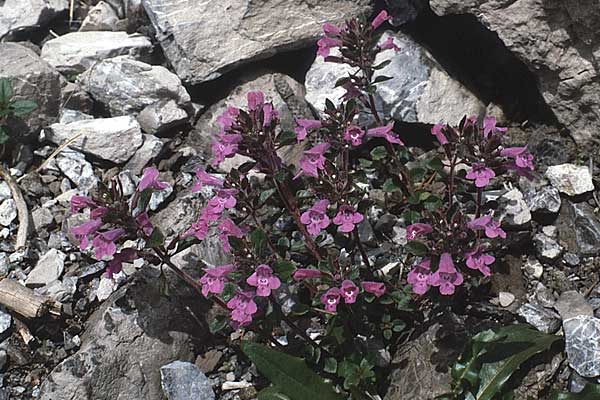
223	200
331	299
306	273
351	91
489	127
255	100
150	180
354	135
225	147
523	159
199	229
315	218
389	44
481	174
269	114
104	242
376	288
415	230
144	223
331	30
98	212
491	227
446	277
437	131
325	44
386	133
313	161
227	119
213	280
419	277
263	280
243	308
476	259
305	125
380	19
83	231
116	264
349	291
229	228
80	202
347	217
205	179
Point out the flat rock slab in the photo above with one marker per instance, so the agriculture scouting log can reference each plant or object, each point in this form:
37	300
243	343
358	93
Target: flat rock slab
582	336
49	268
205	39
182	380
16	15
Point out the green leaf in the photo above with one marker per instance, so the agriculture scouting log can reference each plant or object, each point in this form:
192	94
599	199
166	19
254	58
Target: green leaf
417	174
258	238
330	365
382	64
416	248
265	194
381	78
236	243
22	107
3	135
6	91
389	186
287	137
157	239
272	393
218	323
342	81
378	153
284	269
289	374
589	392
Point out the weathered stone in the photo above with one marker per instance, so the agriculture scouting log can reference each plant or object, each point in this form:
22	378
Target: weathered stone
571	304
533	268
32	79
76	52
17	15
113	139
201	47
582	344
101	17
579	228
5	321
183	381
42	217
61	291
547	248
75	167
558	40
128	339
126	86
505	299
162	116
8	212
570	179
403	11
545	200
149	149
513	210
49	268
543	319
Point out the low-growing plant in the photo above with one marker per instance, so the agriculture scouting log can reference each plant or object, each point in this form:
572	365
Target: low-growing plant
11	107
301	230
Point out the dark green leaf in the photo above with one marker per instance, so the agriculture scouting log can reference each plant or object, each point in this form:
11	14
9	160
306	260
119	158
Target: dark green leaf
287	137
284	269
258	238
144	199
382	78
589	392
265	194
3	135
22	107
329	106
236	243
246	167
416	248
330	365
389	186
435	164
382	64
6	91
417	174
378	153
272	393
342	81
290	374
218	323
157	239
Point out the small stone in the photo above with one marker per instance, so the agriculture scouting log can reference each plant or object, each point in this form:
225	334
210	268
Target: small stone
366	233
506	299
159	196
235	385
543	319
8	212
106	287
545	200
513	210
533	268
4	191
5	320
75	167
399	235
571	259
208	361
570	179
571	304
101	17
162	116
577	383
184	381
60	291
42	217
49	268
580	229
547	248
230	377
550	231
582	344
142	157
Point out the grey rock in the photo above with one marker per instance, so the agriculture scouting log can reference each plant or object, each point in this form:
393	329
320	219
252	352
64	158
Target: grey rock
42	217
571	304
147	152
60	291
67	116
548	249
366	233
403	11
577	383
126	86
571	259
5	321
570	179
545	200
32	79
75	98
158	197
533	268
543	319
201	47
49	268
513	210
162	116
17	15
505	299
113	139
75	167
579	228
3	361
76	52
8	212
183	381
582	344
4	191
133	333
558	41
101	17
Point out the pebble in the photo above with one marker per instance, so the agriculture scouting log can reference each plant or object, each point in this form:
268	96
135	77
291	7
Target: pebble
184	381
8	212
235	385
570	179
533	268
5	320
506	299
49	268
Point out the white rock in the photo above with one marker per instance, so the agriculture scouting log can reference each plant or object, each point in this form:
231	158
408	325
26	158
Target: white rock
162	116
150	149
49	268
101	17
42	217
513	209
5	320
18	15
570	179
105	288
4	191
548	248
75	167
8	212
534	268
506	298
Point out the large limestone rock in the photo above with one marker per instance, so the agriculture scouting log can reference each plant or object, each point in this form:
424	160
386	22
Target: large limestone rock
203	40
16	15
134	333
559	40
75	52
32	79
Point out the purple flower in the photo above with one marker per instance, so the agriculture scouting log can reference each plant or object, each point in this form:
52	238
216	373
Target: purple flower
489	127
481	174
418	277
376	288
313	161
351	91
386	133
243	308
98	212
437	131
315	218
116	264
523	159
389	44
82	232
199	229
269	114
491	227
205	179
347	217
227	119
80	202
306	273
144	223
349	291
380	19
418	229
150	180
104	242
223	200
331	30
446	277
255	100
354	135
263	280
213	280
325	44
225	147
229	228
305	125
477	259
331	299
